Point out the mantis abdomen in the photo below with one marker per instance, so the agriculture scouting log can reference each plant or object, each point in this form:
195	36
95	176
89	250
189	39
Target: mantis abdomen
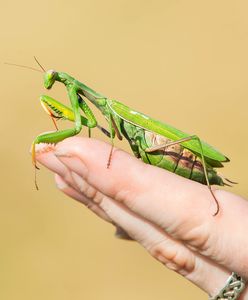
174	158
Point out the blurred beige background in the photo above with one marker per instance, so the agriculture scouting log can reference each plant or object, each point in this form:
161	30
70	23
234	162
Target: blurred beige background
182	62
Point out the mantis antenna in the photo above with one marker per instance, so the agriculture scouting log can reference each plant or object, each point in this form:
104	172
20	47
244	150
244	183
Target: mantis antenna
22	66
39	64
27	67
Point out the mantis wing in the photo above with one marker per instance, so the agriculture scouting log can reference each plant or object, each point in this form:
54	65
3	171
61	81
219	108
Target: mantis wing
212	156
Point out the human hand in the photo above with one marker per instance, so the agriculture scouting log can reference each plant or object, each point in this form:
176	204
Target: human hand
170	216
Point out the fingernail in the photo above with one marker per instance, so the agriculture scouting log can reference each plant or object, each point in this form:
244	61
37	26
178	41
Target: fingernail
171	266
121	234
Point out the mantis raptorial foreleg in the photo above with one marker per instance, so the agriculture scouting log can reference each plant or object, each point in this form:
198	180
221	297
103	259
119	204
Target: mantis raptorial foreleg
180	141
77	103
57	110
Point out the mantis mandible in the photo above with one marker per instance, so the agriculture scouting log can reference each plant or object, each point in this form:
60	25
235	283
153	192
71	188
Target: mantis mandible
156	143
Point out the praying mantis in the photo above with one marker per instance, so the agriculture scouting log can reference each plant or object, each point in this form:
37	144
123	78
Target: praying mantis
152	141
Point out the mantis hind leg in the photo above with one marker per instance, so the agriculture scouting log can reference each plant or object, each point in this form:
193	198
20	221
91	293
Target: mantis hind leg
193	137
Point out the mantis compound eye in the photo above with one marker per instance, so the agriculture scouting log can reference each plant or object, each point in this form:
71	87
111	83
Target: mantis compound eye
49	78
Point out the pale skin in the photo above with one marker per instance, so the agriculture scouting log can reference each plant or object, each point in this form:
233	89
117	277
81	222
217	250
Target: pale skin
170	216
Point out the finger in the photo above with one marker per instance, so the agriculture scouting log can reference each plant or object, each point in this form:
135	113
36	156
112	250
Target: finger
45	156
64	178
71	192
79	196
138	185
67	182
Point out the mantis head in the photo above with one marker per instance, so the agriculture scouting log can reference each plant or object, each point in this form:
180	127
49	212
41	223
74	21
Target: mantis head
49	78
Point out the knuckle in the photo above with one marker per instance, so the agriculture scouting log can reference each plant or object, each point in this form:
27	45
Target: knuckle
162	251
173	256
198	238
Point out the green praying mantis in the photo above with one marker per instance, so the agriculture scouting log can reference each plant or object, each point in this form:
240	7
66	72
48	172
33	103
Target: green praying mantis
154	142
